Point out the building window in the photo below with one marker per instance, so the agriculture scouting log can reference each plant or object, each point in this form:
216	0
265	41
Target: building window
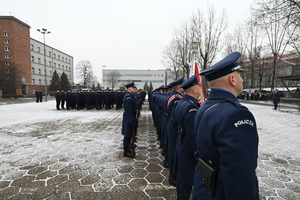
50	72
62	58
32	70
63	67
32	58
39	49
7	56
7	78
50	63
6	41
69	77
23	80
7	63
40	82
40	71
69	68
7	70
39	60
6	49
6	34
162	75
55	65
49	53
33	81
58	66
32	47
54	55
58	57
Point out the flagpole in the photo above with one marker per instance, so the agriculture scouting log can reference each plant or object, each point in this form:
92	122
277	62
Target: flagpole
196	70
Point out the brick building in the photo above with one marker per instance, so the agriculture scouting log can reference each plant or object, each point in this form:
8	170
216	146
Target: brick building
22	60
15	62
259	73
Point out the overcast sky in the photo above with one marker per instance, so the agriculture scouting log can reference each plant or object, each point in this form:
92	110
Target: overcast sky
118	34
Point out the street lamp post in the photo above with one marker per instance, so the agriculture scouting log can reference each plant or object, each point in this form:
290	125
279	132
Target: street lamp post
103	82
44	32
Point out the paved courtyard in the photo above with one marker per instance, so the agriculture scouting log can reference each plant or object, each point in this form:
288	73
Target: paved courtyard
50	154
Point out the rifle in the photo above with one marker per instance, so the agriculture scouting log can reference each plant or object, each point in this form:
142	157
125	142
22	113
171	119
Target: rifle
131	146
133	134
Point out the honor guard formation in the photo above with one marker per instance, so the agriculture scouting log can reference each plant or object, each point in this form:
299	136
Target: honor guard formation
211	150
93	99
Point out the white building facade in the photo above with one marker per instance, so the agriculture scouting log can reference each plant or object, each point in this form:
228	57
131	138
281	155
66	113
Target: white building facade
55	60
140	77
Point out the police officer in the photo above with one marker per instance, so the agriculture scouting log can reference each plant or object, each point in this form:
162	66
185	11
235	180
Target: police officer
276	99
63	99
58	99
69	99
172	126
185	160
129	117
37	95
41	96
226	137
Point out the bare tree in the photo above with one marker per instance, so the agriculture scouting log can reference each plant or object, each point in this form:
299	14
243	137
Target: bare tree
183	41
278	27
85	73
253	45
113	77
208	32
171	59
205	30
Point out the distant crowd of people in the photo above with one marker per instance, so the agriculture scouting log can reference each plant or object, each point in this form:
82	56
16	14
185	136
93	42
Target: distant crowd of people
92	99
257	96
39	95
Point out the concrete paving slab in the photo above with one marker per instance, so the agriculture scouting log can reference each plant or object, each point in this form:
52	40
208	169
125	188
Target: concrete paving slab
51	154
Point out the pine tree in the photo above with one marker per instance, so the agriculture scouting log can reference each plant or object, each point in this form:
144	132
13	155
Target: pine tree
98	86
55	83
151	86
93	86
146	87
65	84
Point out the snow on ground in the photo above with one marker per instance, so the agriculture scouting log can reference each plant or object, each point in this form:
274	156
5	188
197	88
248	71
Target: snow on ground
21	125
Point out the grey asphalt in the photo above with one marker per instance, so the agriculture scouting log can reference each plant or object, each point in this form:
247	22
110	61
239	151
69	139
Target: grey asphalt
78	155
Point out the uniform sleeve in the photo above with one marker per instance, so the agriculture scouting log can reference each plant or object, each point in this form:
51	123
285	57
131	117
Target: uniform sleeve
128	106
237	143
189	126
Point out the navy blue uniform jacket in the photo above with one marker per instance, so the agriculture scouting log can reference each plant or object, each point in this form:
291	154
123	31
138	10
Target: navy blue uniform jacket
172	126
129	113
185	160
227	136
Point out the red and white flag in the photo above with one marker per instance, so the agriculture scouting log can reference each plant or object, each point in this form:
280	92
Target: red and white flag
278	56
195	70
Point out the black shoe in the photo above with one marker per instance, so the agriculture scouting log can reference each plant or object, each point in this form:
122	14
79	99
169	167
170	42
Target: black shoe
127	153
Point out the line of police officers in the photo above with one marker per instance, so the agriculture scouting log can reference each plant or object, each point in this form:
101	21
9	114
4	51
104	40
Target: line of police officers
173	109
211	151
91	99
